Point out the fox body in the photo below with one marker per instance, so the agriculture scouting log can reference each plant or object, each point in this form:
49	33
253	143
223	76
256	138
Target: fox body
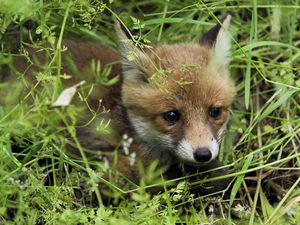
172	100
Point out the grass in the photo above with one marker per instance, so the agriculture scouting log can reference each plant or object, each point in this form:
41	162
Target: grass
41	184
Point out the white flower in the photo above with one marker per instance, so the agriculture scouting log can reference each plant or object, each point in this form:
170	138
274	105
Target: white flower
132	158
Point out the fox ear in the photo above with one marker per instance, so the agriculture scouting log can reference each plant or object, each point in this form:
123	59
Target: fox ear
134	60
218	38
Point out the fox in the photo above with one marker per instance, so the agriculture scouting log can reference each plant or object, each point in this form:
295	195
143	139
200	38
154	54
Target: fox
172	101
185	122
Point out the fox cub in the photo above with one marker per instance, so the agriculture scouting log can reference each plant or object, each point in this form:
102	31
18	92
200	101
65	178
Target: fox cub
172	101
184	120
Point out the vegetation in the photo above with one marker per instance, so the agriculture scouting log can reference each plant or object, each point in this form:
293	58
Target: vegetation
41	184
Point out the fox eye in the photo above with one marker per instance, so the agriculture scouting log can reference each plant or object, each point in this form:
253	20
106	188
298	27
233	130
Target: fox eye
171	116
215	112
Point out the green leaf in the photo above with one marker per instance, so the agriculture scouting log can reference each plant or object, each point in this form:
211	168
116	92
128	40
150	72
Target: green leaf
238	182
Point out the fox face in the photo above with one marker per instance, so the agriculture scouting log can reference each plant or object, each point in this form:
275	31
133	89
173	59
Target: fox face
177	96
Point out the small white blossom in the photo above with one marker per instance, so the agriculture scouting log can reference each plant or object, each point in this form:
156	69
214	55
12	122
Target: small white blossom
127	141
132	158
125	136
18	182
10	180
130	140
106	163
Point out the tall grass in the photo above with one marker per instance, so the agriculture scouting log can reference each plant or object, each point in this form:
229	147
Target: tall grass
41	184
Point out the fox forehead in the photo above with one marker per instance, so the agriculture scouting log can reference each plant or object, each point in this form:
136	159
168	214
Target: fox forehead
187	81
177	55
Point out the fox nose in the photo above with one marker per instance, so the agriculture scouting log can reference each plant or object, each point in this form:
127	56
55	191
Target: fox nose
202	155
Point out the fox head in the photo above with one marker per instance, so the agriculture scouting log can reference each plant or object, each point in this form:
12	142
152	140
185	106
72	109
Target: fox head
177	96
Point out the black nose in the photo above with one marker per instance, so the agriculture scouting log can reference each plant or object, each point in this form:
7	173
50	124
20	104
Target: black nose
202	154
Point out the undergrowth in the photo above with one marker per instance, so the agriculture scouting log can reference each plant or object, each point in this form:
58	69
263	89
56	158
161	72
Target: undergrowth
41	184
